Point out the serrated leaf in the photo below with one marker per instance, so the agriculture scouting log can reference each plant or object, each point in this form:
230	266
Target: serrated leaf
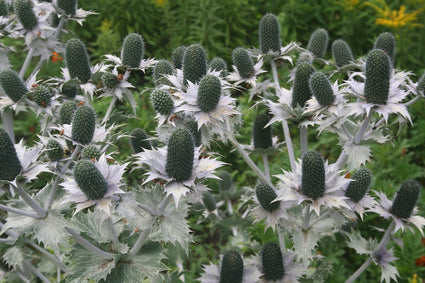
389	272
360	244
82	264
14	257
134	216
304	244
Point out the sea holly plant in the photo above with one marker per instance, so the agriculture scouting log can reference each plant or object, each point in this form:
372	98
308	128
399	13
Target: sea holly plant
76	207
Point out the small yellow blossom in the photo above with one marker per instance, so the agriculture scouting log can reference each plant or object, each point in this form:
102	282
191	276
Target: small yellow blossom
160	3
415	278
349	4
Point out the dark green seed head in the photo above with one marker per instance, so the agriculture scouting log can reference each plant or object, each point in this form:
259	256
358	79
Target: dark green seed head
25	14
90	152
83	124
90	180
10	166
192	126
243	62
421	83
68	6
109	80
162	102
209	201
313	175
69	91
218	64
321	88
269	34
406	199
209	93
378	71
42	95
318	43
77	60
272	261
341	53
162	67
194	63
177	57
139	141
180	154
133	50
231	267
265	195
359	185
4	10
54	150
261	134
386	42
301	90
226	183
12	85
305	57
66	112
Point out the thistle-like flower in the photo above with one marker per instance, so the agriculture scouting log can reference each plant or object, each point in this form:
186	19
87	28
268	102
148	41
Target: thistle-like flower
244	68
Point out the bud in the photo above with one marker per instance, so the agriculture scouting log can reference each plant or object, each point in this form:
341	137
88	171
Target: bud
162	67
341	53
66	112
272	261
90	152
359	185
269	34
4	11
305	57
83	124
321	88
243	62
42	95
231	267
68	6
218	64
12	85
226	183
109	80
266	195
54	150
313	175
301	90
386	42
318	43
180	154
139	141
10	166
177	57
209	201
261	134
209	93
133	50
77	60
25	14
89	179
406	199
162	102
69	91
377	85
194	63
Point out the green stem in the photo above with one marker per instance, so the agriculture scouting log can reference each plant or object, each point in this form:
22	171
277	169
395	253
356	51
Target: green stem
7	121
89	246
266	166
110	108
36	272
26	63
303	139
19	211
37	208
113	232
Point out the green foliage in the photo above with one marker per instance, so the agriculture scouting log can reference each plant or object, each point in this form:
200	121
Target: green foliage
10	166
180	153
83	124
378	69
209	93
90	180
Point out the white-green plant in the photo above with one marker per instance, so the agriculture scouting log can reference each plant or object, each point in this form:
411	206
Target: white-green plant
87	224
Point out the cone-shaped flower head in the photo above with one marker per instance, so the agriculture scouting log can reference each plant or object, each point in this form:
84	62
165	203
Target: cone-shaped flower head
90	180
192	126
360	184
218	64
341	53
209	201
162	67
177	56
180	154
54	150
133	50
162	102
269	34
318	42
12	85
226	183
406	199
69	91
378	72
243	62
301	91
231	267
77	60
25	14
321	88
66	112
265	195
109	80
68	6
272	261
209	93
90	152
313	175
41	95
4	11
83	124
10	166
139	140
194	63
305	57
261	134
421	83
386	42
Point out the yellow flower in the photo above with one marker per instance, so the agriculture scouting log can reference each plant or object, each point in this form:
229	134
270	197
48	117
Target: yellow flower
160	3
415	278
348	4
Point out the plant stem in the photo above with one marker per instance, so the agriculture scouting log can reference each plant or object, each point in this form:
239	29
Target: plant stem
36	272
381	245
7	121
303	139
19	211
26	63
142	237
307	216
147	209
318	219
110	108
281	236
112	231
230	206
362	129
266	166
89	246
37	208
